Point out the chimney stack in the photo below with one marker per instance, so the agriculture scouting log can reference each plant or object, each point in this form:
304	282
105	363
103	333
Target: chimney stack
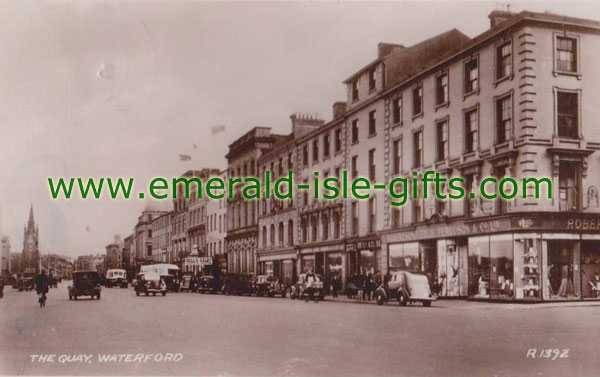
385	49
499	16
305	123
339	109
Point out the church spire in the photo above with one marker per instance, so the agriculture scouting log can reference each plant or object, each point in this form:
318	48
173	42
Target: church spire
31	222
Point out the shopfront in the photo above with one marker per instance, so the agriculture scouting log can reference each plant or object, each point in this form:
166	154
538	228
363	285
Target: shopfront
326	260
363	256
281	265
533	257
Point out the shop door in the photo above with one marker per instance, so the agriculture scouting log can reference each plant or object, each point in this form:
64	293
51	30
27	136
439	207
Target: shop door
562	269
590	269
320	264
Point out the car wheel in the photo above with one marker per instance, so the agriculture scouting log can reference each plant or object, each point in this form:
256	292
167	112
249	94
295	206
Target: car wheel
153	293
137	293
147	293
98	296
402	299
380	299
75	297
164	293
426	304
283	294
70	297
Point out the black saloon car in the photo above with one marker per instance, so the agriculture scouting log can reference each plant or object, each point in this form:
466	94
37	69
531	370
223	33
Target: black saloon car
85	283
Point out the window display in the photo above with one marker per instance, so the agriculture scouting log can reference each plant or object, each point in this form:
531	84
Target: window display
479	267
308	263
528	263
404	256
367	262
590	269
501	274
562	269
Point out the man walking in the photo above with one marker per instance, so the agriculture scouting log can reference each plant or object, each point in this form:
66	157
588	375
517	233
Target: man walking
41	286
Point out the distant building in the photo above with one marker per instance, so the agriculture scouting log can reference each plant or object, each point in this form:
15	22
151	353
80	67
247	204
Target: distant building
114	253
57	265
161	239
5	269
30	262
143	233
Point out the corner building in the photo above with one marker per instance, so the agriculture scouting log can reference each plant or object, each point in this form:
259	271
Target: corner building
518	100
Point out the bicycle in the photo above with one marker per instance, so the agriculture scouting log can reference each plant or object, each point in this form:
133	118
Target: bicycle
42	300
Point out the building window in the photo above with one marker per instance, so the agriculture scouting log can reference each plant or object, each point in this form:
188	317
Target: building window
469	210
325	226
355	218
471	141
314	221
291	233
397	110
567	108
326	145
338	140
418	149
336	225
280	166
441	84
355	131
417	99
503	60
397	155
372	123
372	80
471	76
315	150
396	217
280	234
372	214
290	161
372	165
417	210
568	181
503	119
305	156
355	90
442	140
566	54
501	204
354	167
272	235
304	228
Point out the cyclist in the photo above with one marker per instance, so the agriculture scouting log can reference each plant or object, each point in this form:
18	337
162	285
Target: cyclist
41	286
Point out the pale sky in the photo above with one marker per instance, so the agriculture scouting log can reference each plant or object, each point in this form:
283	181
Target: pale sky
119	89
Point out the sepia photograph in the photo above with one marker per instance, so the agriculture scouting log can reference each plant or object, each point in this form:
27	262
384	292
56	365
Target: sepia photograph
299	188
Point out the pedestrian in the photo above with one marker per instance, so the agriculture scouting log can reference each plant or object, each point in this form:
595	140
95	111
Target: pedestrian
41	287
335	282
1	288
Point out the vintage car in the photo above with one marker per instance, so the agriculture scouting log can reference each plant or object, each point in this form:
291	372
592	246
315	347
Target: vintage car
406	287
268	286
308	285
208	284
85	283
189	283
25	284
169	273
116	278
236	284
150	283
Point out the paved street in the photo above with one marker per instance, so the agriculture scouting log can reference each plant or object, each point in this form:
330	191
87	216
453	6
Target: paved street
229	335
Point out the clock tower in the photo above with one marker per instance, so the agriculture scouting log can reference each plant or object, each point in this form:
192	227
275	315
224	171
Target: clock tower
30	259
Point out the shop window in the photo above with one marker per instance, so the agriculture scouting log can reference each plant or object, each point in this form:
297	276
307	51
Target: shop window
528	266
367	262
441	84
569	181
590	269
308	263
404	256
503	119
471	128
503	60
502	285
471	76
566	54
567	109
479	267
563	281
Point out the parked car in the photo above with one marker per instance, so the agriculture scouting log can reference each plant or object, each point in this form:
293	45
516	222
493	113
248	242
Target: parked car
236	284
307	285
25	284
150	282
208	284
406	287
116	278
268	286
85	283
189	283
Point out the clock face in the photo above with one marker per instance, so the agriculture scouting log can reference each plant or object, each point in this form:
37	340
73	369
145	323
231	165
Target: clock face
30	243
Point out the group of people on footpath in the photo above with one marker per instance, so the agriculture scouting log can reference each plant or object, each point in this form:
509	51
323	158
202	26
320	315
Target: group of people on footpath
362	286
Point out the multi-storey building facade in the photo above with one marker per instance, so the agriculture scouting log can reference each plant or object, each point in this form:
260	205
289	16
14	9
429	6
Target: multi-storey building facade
216	222
321	155
114	253
143	234
515	101
198	213
129	256
5	268
161	239
242	214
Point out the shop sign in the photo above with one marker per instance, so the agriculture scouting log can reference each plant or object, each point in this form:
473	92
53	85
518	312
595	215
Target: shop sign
205	261
451	230
366	244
